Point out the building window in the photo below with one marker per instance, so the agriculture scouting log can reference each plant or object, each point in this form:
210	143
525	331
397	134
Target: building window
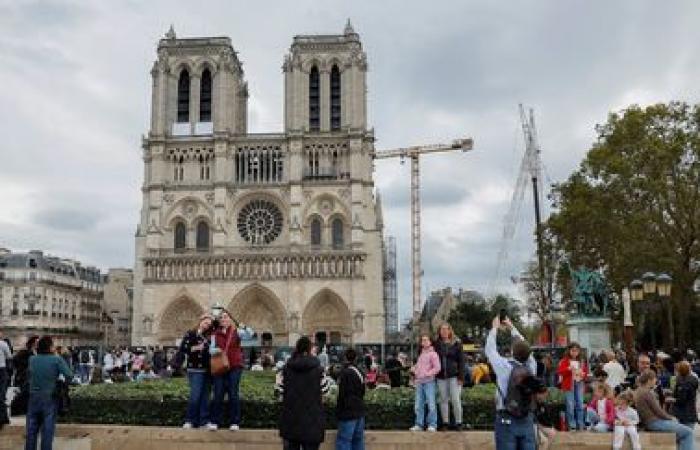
314	100
202	236
316	231
183	97
180	236
179	169
335	98
337	231
205	97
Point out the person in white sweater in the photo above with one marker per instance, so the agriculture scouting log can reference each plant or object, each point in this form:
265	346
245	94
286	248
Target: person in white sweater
626	420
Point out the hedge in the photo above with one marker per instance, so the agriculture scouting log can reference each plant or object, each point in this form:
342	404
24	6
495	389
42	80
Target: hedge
163	403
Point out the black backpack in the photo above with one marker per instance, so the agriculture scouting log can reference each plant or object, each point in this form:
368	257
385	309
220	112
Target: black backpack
519	400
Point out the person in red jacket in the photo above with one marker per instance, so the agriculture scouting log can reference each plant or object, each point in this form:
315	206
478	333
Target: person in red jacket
600	413
573	372
228	338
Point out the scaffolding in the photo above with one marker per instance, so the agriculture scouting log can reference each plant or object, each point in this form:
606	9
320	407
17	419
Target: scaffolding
391	304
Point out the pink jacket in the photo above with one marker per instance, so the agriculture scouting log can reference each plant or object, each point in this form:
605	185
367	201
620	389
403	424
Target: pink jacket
609	409
428	366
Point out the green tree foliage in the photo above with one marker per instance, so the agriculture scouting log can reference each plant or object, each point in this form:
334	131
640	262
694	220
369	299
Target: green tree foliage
634	204
473	318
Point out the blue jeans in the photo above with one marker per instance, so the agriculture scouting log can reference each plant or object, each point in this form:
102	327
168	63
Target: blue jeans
574	406
351	435
198	404
425	393
227	383
514	434
684	435
593	419
41	416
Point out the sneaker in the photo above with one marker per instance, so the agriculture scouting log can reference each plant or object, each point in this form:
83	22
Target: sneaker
187	425
212	426
432	429
415	428
234	427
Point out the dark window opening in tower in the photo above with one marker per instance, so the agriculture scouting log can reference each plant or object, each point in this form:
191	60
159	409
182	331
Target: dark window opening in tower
335	98
202	236
314	100
183	97
205	97
180	236
337	231
315	232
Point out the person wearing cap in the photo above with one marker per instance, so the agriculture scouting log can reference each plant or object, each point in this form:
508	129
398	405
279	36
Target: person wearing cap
195	349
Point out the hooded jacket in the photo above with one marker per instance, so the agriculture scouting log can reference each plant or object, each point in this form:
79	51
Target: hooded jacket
351	392
428	366
302	418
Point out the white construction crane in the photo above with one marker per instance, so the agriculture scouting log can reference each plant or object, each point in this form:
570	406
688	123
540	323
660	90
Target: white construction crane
530	171
414	153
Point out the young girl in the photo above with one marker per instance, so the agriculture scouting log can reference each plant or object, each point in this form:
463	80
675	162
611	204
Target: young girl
600	413
573	372
626	420
424	371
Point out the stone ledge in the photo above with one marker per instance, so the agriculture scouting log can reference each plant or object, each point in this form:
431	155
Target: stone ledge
106	437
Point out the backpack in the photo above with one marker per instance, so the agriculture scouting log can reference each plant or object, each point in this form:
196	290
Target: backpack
84	358
522	385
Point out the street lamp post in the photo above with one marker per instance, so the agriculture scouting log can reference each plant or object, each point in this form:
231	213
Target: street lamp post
649	292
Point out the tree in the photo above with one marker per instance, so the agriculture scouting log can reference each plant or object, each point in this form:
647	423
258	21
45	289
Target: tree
473	317
634	204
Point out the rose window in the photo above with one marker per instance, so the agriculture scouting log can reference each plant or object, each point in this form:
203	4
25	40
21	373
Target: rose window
260	222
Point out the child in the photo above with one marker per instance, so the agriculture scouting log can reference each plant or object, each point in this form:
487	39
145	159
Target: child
424	371
573	373
600	412
626	420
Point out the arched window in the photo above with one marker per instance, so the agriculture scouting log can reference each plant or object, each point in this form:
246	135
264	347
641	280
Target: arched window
183	97
314	100
335	98
337	231
180	236
316	231
202	236
205	97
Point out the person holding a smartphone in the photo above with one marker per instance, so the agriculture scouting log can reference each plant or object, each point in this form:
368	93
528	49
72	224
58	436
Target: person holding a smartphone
195	349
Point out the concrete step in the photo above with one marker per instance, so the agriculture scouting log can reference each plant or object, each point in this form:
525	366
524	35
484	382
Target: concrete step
106	437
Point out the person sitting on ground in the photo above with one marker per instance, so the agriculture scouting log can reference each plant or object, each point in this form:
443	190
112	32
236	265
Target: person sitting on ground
600	413
515	422
626	420
616	374
654	417
146	373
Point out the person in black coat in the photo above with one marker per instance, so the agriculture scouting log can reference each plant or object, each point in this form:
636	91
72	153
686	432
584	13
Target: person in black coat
393	368
450	379
21	365
302	420
350	407
685	395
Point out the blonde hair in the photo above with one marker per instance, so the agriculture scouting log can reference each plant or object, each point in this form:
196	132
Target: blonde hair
607	390
451	336
626	396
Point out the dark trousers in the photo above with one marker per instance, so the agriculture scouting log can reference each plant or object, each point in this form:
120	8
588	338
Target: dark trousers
41	417
514	434
4	383
227	383
198	404
291	445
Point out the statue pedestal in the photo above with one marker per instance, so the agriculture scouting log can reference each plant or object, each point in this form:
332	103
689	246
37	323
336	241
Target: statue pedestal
592	333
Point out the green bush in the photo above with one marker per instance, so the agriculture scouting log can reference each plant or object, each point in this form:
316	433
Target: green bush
163	403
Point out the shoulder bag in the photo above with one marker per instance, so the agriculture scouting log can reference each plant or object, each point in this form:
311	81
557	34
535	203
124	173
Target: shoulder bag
219	363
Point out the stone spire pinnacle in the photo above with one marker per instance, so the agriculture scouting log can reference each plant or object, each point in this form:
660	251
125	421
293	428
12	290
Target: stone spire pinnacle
171	33
348	28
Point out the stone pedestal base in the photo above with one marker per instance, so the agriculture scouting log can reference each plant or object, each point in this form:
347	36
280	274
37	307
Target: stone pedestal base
592	333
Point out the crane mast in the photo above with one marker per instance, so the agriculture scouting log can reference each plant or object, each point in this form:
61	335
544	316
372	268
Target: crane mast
414	154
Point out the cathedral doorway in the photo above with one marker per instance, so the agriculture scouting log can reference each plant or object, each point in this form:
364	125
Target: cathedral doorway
179	316
260	308
327	318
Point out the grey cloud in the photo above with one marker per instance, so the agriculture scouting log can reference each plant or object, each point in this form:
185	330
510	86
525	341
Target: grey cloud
66	219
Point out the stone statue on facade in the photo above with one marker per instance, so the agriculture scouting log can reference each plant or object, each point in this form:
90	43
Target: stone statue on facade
591	296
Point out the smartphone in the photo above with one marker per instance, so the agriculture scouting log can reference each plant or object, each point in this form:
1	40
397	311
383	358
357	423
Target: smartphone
502	314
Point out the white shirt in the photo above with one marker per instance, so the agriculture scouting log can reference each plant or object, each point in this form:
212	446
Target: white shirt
601	410
616	373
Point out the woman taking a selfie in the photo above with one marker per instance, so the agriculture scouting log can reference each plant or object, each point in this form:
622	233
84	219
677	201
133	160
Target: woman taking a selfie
195	347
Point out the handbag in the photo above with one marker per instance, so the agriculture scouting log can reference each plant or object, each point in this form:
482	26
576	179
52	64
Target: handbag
219	363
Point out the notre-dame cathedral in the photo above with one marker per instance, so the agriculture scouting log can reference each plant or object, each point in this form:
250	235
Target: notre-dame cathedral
282	228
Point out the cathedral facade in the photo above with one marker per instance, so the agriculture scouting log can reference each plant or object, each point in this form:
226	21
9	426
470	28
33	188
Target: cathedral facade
283	229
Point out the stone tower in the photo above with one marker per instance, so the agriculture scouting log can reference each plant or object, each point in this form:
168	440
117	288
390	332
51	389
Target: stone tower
281	228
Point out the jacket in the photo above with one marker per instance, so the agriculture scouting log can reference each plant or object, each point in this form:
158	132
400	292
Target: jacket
451	360
648	407
235	354
351	392
302	418
196	359
685	393
428	366
567	377
609	409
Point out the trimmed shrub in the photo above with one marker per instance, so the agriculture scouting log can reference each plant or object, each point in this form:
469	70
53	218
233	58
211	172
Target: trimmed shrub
163	403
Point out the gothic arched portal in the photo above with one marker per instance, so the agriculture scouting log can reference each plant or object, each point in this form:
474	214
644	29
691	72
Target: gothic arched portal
327	318
179	316
260	308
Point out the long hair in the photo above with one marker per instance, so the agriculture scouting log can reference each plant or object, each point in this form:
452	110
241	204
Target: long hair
574	345
451	337
302	347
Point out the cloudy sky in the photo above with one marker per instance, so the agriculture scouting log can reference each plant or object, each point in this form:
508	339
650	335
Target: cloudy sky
75	92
